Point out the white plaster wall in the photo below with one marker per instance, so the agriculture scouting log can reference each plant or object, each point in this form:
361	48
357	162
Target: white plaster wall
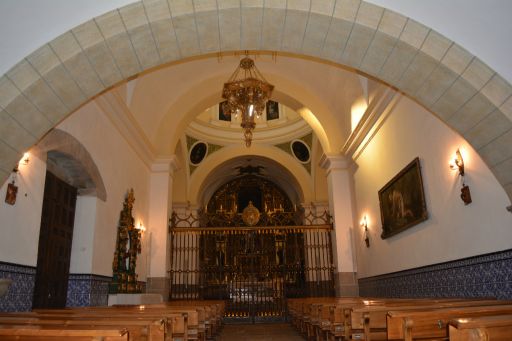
121	169
83	235
20	224
453	230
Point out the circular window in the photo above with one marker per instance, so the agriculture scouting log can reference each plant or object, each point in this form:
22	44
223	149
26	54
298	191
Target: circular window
300	151
198	152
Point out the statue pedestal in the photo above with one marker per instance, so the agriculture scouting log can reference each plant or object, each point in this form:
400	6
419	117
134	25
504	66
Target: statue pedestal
131	299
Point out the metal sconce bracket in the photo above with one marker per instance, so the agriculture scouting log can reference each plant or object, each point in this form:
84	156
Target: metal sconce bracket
364	224
458	164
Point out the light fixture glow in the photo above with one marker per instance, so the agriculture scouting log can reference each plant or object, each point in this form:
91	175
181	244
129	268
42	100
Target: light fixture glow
364	225
141	227
25	159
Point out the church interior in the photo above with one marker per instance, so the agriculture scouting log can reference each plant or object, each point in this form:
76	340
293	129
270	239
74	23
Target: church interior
368	166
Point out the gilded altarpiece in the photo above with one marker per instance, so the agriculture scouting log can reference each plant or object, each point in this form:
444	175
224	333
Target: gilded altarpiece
250	247
128	246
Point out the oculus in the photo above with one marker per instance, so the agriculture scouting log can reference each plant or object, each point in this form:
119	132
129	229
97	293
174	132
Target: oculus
198	152
301	151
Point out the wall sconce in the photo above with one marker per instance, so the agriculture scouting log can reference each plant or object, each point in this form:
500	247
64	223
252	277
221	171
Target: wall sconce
141	228
364	224
458	164
25	159
12	189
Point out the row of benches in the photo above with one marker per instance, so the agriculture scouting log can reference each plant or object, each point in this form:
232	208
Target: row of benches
171	321
401	319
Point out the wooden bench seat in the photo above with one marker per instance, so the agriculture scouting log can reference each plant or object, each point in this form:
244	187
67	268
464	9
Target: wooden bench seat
140	328
361	318
485	328
177	321
370	322
50	332
432	323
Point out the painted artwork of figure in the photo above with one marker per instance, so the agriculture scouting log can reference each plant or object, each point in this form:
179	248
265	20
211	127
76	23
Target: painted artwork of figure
12	191
272	110
402	201
398	208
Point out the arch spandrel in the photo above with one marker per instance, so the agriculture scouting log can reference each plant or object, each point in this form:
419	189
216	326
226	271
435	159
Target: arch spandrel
199	181
63	74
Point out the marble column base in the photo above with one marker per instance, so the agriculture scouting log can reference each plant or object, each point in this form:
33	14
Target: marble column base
346	284
158	285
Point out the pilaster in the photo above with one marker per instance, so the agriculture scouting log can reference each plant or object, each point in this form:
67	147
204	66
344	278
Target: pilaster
160	188
341	207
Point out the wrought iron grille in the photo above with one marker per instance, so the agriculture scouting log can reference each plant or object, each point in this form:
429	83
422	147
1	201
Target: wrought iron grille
253	268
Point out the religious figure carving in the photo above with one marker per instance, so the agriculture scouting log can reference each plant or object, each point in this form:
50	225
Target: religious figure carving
127	247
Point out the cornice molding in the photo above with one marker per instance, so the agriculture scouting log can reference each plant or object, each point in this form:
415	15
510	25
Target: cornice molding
332	162
375	110
114	107
267	135
165	165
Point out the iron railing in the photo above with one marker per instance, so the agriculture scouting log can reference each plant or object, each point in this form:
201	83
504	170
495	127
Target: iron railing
253	268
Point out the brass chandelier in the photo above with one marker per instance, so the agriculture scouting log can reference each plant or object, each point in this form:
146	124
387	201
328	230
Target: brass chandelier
246	93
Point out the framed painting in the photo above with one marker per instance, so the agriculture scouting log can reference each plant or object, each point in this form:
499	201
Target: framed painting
12	191
402	201
222	115
272	110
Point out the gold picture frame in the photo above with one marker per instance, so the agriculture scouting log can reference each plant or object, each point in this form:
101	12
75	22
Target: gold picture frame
402	201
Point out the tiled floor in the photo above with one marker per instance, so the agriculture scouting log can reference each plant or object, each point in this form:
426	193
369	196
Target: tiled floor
259	332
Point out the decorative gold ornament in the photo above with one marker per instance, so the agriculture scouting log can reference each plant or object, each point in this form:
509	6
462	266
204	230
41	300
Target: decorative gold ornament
246	93
128	245
251	215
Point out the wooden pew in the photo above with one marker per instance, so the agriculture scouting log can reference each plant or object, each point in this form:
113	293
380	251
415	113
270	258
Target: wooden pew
486	328
140	328
432	323
177	321
213	312
360	318
62	333
369	322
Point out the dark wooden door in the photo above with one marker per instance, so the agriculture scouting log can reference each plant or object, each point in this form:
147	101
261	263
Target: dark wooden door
55	241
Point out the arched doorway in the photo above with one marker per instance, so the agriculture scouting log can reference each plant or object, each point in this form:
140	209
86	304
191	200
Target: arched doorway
71	175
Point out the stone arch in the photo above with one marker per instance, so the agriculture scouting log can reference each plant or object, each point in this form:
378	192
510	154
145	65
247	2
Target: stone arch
438	73
69	159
